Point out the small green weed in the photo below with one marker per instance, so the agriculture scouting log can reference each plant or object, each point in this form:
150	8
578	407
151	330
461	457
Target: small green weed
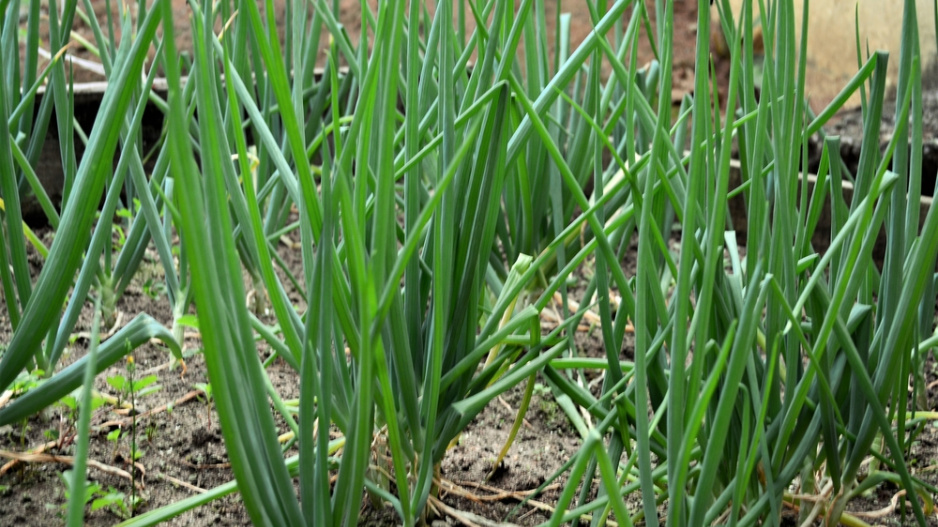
112	500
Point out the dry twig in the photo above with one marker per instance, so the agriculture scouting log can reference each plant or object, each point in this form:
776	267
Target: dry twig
68	460
129	420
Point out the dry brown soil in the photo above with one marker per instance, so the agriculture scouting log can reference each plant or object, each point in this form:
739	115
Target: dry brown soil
184	450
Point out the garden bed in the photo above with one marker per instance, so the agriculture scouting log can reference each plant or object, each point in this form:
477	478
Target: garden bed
183	452
173	449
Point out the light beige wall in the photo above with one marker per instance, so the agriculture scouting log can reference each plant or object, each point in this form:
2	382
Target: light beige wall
831	40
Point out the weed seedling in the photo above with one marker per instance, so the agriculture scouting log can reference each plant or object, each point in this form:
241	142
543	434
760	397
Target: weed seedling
23	383
130	388
111	499
90	490
206	388
71	406
115	502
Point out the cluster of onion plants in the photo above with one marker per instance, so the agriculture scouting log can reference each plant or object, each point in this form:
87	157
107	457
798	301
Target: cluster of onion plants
441	206
41	328
782	364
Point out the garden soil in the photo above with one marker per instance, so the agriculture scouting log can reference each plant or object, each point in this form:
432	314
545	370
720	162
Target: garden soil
183	451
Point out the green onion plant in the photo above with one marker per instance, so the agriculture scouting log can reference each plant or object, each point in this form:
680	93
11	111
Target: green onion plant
445	177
